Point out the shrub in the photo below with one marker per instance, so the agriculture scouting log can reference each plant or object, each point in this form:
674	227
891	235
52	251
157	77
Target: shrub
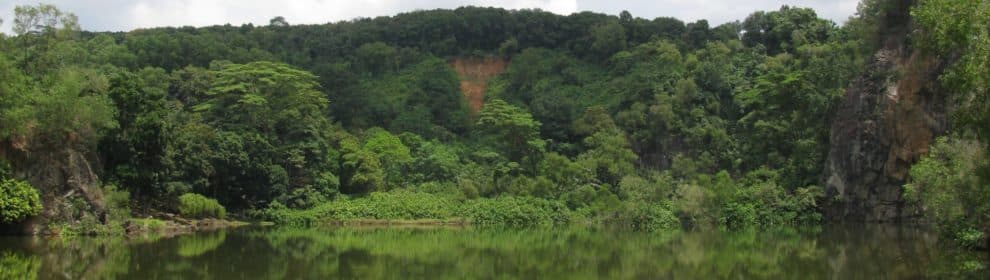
739	215
116	201
394	205
947	186
516	211
18	200
197	206
648	217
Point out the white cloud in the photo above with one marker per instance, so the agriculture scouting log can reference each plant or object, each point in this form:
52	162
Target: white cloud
151	13
148	13
117	15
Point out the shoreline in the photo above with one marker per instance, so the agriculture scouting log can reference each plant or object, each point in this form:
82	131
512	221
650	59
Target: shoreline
177	226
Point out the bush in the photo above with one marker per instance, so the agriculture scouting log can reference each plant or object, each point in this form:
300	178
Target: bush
516	211
116	201
197	206
947	186
409	205
739	215
394	205
18	200
644	216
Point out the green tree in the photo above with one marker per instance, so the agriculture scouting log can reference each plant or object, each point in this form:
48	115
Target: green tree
944	184
697	34
608	156
784	118
278	21
193	205
135	151
607	39
361	170
43	18
512	130
961	27
376	58
275	114
433	161
944	181
786	29
73	109
391	152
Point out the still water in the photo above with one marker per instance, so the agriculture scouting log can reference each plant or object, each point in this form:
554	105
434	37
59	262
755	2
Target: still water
465	253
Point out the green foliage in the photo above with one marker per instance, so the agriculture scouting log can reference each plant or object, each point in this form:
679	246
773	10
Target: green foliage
149	224
608	157
947	186
196	245
407	205
598	117
70	108
18	200
755	200
118	208
423	97
656	187
376	58
948	182
394	205
136	150
275	114
361	170
17	266
434	161
512	129
786	29
608	38
783	121
647	217
391	152
516	212
43	19
197	206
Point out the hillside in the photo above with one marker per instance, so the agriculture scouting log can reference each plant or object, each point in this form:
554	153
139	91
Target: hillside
779	118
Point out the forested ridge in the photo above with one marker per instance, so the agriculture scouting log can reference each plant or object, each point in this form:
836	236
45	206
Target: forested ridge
650	123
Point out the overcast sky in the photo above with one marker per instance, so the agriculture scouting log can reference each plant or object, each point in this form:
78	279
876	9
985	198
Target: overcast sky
123	15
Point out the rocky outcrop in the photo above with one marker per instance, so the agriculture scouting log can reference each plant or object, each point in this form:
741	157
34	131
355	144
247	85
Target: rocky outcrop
887	121
69	187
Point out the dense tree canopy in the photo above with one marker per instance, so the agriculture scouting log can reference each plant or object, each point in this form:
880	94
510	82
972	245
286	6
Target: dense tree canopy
612	117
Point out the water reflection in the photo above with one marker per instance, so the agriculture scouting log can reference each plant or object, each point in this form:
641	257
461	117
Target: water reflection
568	253
19	266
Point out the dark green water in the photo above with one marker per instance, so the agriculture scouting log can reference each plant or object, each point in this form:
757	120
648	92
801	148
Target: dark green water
451	253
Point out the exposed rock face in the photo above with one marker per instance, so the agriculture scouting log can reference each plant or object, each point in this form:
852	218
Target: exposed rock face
65	178
888	120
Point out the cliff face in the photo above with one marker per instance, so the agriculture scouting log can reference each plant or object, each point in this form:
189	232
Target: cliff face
69	187
887	121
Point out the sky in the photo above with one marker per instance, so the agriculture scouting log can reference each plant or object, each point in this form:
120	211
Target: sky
125	15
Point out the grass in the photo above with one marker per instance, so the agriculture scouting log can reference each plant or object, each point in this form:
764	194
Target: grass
149	224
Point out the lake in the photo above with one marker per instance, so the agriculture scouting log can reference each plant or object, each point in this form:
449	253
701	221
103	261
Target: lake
831	252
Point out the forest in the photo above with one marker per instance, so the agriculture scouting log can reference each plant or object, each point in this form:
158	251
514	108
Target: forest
481	115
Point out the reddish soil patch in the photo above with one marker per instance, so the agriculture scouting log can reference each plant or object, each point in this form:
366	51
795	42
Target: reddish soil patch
475	72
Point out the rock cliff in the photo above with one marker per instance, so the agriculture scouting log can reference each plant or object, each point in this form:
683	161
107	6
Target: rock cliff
69	187
889	117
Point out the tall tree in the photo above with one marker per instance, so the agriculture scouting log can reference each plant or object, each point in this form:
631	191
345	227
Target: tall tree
512	129
276	114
